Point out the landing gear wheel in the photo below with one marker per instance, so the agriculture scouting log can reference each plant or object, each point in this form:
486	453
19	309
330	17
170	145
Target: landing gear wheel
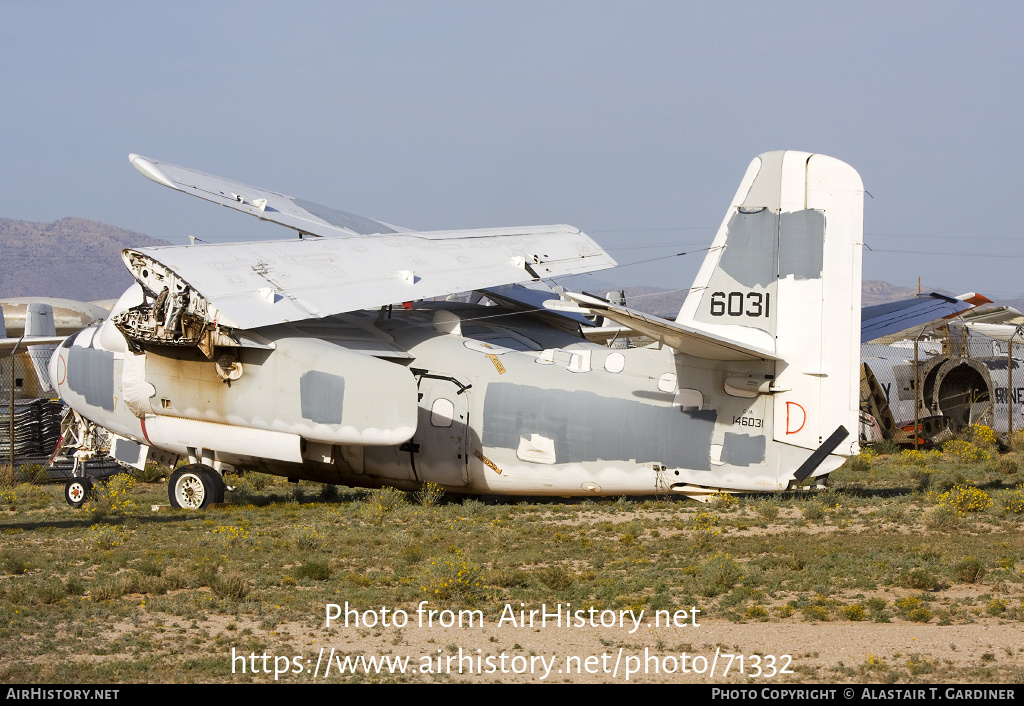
77	491
195	486
217	483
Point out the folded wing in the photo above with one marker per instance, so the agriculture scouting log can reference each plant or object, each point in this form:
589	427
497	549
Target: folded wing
357	263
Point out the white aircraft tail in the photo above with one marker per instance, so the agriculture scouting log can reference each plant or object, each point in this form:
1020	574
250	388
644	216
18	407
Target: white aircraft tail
784	275
39	323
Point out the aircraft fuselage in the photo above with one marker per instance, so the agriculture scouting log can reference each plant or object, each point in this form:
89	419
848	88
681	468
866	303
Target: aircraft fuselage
474	398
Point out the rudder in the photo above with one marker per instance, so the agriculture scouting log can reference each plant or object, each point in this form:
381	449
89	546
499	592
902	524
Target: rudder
784	274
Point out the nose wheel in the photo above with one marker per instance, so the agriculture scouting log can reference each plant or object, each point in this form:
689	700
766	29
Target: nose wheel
77	491
195	487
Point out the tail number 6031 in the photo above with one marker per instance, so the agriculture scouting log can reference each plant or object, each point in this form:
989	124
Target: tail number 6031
737	304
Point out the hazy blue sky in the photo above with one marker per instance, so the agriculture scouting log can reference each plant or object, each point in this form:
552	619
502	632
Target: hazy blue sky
631	120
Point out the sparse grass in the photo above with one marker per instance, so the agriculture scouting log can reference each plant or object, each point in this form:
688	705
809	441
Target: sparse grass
169	578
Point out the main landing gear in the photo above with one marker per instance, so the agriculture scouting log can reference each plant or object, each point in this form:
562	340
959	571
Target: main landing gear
194	487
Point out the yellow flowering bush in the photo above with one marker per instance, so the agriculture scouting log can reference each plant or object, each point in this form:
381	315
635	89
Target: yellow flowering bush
963	499
978	434
452	577
115	496
962	451
1013	500
912	457
706	521
723	501
108	536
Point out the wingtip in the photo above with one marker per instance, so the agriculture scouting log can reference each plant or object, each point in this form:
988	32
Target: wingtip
148	169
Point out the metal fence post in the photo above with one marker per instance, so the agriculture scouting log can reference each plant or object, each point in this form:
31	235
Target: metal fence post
1009	389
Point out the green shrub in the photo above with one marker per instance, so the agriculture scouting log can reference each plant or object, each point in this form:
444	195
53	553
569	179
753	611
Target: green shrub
920	579
508	578
429	495
34	473
258	481
919	615
995	607
230	585
813	510
767	509
411	554
315	570
756	612
860	463
964	452
942	518
970	570
380	503
107	589
815	612
853	612
14	565
450	577
152	472
556	578
886	447
718	575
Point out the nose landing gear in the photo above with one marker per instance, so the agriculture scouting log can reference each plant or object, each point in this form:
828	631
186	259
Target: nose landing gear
77	491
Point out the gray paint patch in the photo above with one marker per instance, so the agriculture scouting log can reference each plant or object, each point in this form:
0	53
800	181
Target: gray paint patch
91	374
802	244
341	219
749	256
588	427
743	449
321	395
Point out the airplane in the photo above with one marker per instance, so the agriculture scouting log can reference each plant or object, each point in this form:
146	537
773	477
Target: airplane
321	357
962	370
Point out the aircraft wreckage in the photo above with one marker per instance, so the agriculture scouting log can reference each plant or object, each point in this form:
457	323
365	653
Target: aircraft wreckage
293	357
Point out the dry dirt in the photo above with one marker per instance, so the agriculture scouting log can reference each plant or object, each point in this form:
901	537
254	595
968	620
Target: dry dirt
986	651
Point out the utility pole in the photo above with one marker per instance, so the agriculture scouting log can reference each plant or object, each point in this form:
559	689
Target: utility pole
11	429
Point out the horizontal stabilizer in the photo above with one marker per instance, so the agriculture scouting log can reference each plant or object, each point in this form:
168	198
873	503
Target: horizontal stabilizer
680	337
7	345
530	298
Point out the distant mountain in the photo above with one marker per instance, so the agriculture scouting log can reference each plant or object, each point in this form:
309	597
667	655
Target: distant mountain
875	291
71	258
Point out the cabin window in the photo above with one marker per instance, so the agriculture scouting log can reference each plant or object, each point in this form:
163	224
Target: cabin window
442	412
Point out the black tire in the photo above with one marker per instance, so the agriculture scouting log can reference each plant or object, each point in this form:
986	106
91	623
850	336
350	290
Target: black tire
77	491
194	487
216	483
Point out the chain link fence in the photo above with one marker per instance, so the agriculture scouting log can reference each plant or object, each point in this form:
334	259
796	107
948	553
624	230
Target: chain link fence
30	414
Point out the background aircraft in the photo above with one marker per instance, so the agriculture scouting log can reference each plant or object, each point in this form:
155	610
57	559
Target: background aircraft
289	357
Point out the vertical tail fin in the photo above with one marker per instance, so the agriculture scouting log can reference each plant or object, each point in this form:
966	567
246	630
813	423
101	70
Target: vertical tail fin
784	274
